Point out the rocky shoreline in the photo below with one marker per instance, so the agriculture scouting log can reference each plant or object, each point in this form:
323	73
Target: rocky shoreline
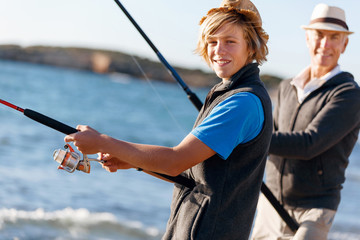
105	61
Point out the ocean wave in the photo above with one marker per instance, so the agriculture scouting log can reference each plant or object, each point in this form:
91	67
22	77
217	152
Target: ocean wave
343	236
120	78
69	223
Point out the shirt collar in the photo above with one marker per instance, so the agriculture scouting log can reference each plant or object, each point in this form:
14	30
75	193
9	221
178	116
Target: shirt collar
299	80
304	91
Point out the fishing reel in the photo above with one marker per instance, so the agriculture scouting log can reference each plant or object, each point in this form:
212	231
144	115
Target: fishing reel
70	160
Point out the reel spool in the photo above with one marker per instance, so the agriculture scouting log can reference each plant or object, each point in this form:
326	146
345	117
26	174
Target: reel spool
70	160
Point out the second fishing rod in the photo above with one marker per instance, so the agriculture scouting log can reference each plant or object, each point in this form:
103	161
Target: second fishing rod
293	225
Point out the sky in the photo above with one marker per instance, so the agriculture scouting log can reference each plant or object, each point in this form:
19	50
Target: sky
171	25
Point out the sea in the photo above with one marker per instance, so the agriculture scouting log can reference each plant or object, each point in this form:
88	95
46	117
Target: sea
39	201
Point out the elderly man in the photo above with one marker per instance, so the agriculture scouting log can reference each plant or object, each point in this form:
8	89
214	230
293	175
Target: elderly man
316	125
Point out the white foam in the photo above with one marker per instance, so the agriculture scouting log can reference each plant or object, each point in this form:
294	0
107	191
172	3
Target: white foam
67	215
343	236
79	222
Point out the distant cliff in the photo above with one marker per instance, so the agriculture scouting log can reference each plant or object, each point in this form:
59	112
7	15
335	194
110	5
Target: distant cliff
104	61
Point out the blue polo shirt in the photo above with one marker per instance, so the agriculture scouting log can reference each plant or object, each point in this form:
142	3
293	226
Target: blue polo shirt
238	119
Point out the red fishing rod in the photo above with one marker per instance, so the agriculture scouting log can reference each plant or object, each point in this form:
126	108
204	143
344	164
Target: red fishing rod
45	120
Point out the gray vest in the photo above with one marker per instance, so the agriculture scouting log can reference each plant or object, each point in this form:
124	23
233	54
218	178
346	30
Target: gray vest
223	203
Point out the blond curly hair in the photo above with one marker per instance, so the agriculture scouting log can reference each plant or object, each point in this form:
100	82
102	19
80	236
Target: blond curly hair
254	34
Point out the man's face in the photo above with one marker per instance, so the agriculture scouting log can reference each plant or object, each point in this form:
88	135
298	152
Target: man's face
325	48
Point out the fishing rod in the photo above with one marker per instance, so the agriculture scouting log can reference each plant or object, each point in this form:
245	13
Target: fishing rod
191	95
45	120
292	224
70	160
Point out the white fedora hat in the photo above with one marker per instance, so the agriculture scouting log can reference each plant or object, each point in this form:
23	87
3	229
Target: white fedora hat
325	17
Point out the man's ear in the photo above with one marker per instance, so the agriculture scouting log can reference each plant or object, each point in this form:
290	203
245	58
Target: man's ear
345	44
307	33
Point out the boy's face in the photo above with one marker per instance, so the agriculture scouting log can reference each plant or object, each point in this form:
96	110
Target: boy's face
227	50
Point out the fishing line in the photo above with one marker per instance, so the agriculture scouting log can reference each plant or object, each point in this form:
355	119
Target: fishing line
159	96
192	96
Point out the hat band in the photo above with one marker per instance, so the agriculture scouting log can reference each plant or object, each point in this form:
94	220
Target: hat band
331	20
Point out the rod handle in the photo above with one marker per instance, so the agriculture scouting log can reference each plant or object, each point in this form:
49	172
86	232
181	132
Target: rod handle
47	121
184	181
292	224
